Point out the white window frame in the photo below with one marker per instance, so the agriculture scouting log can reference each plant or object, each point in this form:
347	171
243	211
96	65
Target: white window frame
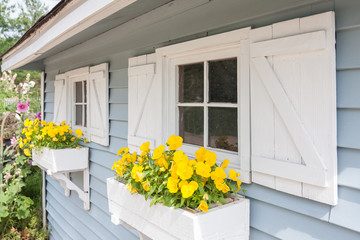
77	75
222	46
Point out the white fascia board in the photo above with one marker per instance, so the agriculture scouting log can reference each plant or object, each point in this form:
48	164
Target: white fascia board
57	31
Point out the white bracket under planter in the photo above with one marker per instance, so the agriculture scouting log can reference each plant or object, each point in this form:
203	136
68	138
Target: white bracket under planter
59	163
67	184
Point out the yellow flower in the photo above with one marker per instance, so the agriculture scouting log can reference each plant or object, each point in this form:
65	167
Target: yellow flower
131	189
28	123
203	206
145	147
86	140
21	145
55	139
206	197
220	184
233	175
184	170
174	142
121	150
238	183
78	133
158	152
146	185
136	173
43	123
38	137
161	162
200	154
218	173
203	169
180	156
187	190
225	163
172	184
210	158
27	152
32	145
64	138
72	139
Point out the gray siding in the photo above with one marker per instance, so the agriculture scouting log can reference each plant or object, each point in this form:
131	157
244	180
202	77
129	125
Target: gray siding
274	215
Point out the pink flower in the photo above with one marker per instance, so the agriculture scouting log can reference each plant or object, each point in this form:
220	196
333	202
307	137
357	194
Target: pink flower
13	141
22	107
38	115
29	162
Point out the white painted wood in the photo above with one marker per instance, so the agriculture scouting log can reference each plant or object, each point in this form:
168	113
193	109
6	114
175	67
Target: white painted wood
98	104
229	221
42	91
61	160
73	19
221	46
261	117
144	109
301	89
60	99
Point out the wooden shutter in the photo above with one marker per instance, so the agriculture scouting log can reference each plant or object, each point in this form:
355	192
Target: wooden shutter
98	104
60	99
293	107
144	103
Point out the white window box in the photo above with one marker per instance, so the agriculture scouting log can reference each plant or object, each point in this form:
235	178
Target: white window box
229	221
61	160
59	163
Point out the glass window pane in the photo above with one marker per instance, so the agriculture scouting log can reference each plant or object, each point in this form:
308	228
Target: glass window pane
191	83
78	114
192	125
85	116
85	93
223	81
78	92
223	128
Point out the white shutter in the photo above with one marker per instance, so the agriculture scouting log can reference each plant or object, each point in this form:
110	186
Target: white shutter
293	107
98	104
60	99
144	110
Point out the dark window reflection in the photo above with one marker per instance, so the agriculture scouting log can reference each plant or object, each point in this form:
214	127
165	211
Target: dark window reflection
223	80
191	83
223	128
192	125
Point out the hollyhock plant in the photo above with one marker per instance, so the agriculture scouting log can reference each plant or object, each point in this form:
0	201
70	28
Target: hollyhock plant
22	107
13	141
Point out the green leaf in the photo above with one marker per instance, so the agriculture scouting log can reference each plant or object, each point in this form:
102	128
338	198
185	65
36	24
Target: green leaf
3	198
22	212
182	202
160	188
153	201
4	212
201	188
244	191
222	200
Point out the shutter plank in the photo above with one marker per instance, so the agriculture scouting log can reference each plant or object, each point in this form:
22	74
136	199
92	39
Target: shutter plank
60	99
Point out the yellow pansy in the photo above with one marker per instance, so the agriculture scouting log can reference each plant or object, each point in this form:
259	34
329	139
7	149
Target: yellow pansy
32	145
184	171
121	150
64	138
27	152
238	183
161	162
225	163
200	154
55	139
187	190
145	147
180	156
233	175
131	189
145	185
210	158
172	184
203	206
78	133
43	123
38	137
174	142
136	173
203	169
218	173
158	152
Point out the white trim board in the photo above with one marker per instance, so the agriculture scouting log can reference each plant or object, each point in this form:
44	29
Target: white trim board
58	30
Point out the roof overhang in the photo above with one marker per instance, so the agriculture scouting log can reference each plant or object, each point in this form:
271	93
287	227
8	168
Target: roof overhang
67	19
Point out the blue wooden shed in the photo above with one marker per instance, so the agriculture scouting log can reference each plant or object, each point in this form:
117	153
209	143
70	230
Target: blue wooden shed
286	112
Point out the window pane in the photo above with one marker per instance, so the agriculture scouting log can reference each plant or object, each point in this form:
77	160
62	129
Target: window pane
78	114
192	125
223	128
85	93
78	92
85	116
191	83
223	81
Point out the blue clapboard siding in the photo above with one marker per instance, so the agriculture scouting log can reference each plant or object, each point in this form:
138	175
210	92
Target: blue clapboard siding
274	215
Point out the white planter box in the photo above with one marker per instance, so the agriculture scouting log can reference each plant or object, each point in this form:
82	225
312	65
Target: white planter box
61	160
229	221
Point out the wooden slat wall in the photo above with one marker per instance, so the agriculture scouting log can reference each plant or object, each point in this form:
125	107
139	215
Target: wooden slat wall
274	215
